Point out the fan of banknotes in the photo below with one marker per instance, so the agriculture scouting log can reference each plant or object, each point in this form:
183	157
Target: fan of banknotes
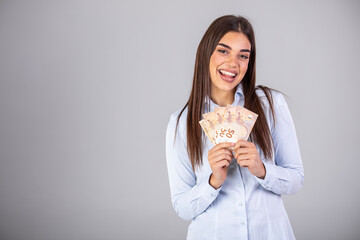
228	124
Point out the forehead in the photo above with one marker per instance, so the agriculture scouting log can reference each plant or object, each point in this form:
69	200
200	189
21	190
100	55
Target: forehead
236	40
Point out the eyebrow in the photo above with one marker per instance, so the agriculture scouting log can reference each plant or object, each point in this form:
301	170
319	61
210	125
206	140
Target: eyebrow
228	47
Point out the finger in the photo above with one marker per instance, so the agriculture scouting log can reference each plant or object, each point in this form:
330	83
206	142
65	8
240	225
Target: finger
222	145
221	151
245	156
245	163
242	144
222	164
245	151
249	156
219	158
241	151
239	143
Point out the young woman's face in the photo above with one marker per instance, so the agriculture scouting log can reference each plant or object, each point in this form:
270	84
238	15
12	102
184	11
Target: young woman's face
229	62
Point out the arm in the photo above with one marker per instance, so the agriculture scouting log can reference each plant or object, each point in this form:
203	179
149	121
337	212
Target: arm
286	175
190	196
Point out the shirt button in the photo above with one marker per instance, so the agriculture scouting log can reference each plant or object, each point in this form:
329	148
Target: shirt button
241	204
242	223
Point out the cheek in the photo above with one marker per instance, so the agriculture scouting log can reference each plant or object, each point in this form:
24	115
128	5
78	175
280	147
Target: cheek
213	76
212	69
215	61
244	68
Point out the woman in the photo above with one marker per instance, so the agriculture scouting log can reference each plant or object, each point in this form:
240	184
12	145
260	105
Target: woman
232	195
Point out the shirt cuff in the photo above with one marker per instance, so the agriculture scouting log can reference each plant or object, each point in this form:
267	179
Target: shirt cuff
208	191
268	181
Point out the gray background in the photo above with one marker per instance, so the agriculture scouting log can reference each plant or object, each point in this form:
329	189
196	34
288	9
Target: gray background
87	88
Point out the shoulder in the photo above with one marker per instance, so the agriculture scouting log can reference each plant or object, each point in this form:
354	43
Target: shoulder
175	116
267	96
276	97
178	123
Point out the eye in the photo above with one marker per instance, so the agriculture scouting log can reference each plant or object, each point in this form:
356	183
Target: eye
222	51
242	56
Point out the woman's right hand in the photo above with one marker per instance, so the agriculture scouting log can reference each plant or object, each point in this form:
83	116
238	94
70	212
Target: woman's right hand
219	158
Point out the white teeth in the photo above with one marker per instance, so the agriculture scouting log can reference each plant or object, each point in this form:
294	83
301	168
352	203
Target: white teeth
228	73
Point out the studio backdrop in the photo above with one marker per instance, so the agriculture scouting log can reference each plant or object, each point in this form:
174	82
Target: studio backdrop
87	89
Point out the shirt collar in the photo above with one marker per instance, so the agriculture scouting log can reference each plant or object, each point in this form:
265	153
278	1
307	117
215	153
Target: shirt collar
238	95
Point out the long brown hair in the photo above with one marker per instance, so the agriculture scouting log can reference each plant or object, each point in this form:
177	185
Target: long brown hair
260	134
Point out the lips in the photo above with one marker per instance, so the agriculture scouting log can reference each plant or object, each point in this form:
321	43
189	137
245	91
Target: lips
228	75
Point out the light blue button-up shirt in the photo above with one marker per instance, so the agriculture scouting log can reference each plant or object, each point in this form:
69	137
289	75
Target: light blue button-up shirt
244	207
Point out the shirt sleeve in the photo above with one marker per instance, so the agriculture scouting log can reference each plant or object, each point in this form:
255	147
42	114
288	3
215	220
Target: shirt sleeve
189	197
285	175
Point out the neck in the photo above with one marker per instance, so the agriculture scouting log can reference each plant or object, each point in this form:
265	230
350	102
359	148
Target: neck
223	98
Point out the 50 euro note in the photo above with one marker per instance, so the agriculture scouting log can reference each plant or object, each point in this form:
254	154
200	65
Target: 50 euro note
228	124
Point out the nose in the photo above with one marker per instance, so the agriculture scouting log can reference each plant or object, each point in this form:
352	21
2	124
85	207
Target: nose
232	61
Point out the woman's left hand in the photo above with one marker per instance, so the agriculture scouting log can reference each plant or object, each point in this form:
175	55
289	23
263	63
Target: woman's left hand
248	156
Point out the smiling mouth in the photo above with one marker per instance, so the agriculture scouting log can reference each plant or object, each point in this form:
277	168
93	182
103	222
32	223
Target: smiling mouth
230	75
